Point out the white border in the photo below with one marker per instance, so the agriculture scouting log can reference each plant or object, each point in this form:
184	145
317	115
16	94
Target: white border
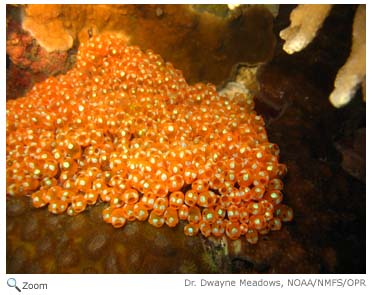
170	284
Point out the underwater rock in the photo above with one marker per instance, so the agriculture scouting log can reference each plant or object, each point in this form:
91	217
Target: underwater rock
28	63
15	207
18	261
132	228
242	82
90	270
193	41
111	263
24	53
354	154
68	257
75	225
96	244
30	231
45	246
54	222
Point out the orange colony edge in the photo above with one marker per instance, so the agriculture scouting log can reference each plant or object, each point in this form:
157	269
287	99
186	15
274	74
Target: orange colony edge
124	128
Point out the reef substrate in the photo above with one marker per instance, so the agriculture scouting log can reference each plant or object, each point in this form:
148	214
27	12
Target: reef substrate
125	129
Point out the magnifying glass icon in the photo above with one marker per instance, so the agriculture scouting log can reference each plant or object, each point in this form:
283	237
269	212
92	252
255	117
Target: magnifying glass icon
13	283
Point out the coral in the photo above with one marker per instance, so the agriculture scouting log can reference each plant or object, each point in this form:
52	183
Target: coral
352	73
306	20
28	61
124	128
41	25
24	53
192	40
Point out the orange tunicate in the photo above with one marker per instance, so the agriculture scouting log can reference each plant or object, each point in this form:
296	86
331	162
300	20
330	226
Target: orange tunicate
218	227
124	128
37	199
233	230
118	217
216	182
284	212
274	196
57	206
205	228
191	229
244	178
106	214
244	215
118	200
244	227
183	212
190	174
140	211
255	208
191	197
129	212
66	195
159	189
130	196
276	223
48	182
160	205
257	221
206	199
257	192
225	201
69	184
233	213
171	217
252	236
176	199
147	200
50	168
72	149
78	203
220	212
194	216
91	197
175	183
68	165
52	193
276	183
155	219
208	215
200	185
83	183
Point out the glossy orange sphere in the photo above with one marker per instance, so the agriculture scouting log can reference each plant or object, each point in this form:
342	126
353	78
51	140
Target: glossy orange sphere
124	128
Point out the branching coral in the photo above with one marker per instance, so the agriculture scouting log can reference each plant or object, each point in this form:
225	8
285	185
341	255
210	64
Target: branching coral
305	22
352	73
